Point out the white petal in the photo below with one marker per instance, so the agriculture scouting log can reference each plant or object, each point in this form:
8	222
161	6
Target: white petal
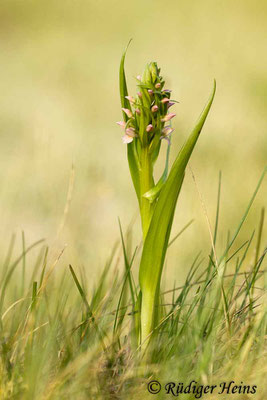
127	139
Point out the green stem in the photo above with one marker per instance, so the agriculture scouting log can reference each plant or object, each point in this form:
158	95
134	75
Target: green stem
149	314
147	304
146	183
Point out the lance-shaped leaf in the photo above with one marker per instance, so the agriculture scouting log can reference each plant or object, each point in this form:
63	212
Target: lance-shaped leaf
157	238
131	147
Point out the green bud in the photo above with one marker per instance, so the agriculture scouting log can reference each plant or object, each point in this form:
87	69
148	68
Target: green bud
154	72
146	78
151	74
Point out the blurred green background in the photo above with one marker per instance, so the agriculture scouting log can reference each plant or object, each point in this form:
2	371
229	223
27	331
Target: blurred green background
59	102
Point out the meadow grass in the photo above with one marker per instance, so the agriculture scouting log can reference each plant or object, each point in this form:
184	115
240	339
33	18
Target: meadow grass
59	341
63	333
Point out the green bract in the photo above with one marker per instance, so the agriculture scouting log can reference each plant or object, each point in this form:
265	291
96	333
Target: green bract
146	123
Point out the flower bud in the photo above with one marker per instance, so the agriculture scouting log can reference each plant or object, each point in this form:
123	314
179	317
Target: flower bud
158	85
165	100
154	108
129	135
168	117
150	91
139	77
151	74
130	98
127	112
153	71
130	132
139	94
171	103
167	130
149	128
137	111
121	123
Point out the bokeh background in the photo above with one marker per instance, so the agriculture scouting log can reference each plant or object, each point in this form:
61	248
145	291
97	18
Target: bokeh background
59	102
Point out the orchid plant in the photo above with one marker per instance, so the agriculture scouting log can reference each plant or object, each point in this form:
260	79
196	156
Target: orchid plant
146	123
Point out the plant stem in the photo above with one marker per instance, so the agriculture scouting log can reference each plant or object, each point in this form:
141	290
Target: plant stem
146	183
146	210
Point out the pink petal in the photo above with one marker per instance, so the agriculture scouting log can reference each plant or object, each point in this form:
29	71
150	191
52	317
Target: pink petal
121	123
167	130
165	100
154	108
130	132
149	128
130	98
168	117
127	139
127	112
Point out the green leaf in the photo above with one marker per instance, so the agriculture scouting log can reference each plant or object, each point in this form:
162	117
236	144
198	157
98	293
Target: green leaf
157	238
131	147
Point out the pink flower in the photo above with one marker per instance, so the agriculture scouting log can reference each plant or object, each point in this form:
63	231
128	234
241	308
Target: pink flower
121	123
130	98
130	132
158	85
150	91
149	128
167	130
168	117
154	108
139	94
129	135
165	100
127	139
127	112
137	111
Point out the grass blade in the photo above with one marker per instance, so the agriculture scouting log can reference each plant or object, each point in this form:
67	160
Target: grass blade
88	308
